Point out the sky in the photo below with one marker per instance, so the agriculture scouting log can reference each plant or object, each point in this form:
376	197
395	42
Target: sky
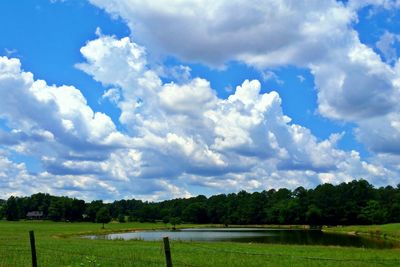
153	100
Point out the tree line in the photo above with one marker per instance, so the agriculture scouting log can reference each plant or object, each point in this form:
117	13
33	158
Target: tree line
356	202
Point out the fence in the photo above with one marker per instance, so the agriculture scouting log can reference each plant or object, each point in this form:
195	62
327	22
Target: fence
192	248
92	259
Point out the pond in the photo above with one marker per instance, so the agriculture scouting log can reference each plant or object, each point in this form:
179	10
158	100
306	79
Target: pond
254	235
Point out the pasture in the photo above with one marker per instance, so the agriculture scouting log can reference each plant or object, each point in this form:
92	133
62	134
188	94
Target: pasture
60	244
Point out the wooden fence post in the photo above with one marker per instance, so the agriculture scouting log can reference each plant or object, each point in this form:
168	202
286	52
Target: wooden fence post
167	252
33	248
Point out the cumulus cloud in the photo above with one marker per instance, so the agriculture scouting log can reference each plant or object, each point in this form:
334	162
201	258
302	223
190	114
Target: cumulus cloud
68	117
381	134
186	134
357	86
352	81
14	178
268	32
180	134
76	146
188	122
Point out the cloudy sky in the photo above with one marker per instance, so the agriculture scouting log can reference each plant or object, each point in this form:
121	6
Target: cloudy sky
111	99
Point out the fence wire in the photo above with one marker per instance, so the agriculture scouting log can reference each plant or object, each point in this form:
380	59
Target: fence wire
46	251
238	252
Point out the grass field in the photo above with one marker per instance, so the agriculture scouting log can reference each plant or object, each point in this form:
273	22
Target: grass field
388	231
59	244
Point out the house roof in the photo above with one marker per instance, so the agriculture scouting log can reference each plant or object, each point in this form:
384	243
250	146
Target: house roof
34	213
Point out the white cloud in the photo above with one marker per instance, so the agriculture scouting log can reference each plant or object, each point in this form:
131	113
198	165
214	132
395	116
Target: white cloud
301	78
357	86
112	94
62	111
387	4
381	134
180	73
185	134
186	99
187	122
386	45
181	134
14	178
269	32
352	81
270	75
80	151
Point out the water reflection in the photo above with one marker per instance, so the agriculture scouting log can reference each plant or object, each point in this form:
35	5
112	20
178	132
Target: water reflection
255	235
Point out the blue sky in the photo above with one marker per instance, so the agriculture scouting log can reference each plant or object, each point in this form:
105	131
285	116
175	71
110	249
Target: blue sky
160	99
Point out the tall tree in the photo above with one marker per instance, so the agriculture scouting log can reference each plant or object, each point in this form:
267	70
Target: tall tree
11	210
103	216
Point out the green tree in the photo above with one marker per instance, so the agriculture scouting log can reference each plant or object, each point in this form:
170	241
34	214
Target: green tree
394	213
195	213
165	219
174	221
39	202
313	215
217	209
373	213
77	208
121	218
103	216
92	208
56	210
325	198
11	209
2	208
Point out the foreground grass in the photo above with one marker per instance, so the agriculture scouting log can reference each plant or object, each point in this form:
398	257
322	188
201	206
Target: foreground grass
387	231
58	244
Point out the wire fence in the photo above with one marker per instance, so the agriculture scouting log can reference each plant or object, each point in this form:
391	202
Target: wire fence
68	256
249	253
55	256
65	257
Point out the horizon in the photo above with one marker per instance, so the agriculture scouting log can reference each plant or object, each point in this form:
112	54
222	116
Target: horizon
200	195
123	99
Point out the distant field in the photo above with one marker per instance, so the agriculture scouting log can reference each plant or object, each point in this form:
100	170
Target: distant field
389	231
58	244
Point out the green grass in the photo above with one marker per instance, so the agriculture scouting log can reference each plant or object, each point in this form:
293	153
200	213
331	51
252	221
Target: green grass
59	244
388	231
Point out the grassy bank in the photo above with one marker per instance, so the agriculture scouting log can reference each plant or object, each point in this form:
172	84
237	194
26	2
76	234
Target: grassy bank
59	245
387	231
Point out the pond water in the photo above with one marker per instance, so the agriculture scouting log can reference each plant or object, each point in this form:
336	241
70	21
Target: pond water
254	235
